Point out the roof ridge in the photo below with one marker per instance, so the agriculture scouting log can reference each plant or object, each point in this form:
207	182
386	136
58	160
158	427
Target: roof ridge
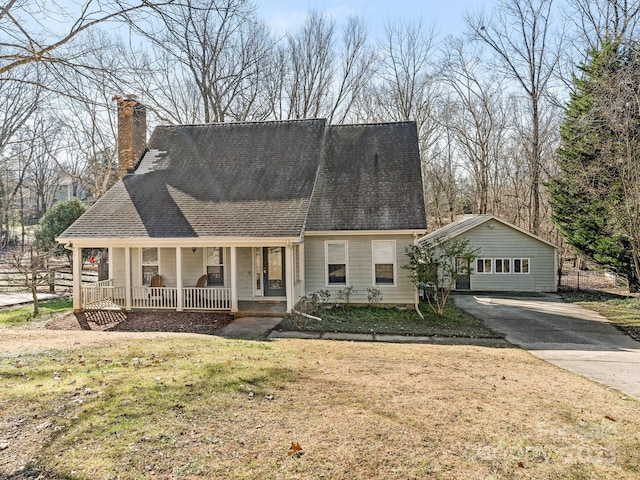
407	122
255	122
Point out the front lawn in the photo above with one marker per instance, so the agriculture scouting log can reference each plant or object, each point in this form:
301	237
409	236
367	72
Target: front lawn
204	407
368	319
620	310
15	316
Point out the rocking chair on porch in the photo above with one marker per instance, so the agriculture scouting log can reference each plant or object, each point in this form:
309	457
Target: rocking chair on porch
197	300
157	289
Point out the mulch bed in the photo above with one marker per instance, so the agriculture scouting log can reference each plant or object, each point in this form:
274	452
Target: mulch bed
148	321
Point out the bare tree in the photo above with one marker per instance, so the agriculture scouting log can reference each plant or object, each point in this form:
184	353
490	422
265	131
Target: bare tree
478	123
598	20
357	67
216	48
45	31
32	265
43	174
314	73
441	172
519	34
311	53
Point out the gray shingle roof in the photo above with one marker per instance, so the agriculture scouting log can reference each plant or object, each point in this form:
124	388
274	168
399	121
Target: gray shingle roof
257	180
452	230
370	179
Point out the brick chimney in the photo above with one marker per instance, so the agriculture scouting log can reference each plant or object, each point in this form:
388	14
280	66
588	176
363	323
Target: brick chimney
132	133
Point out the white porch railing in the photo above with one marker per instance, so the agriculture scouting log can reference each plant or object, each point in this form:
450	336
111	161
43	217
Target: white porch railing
153	297
104	296
196	298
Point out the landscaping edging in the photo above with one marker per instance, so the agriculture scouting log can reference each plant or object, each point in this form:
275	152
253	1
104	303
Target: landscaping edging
376	337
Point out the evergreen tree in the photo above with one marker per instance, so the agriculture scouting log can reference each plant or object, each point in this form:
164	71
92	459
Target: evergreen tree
588	193
57	219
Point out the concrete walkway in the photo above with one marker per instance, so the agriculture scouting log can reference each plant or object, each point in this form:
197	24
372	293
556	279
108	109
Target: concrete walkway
8	299
567	335
249	328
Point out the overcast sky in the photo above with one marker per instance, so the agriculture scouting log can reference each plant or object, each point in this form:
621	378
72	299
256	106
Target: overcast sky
445	15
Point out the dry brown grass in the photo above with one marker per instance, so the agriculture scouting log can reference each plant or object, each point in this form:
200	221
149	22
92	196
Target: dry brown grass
212	408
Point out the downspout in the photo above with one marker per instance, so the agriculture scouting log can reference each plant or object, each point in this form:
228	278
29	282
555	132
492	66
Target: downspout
417	297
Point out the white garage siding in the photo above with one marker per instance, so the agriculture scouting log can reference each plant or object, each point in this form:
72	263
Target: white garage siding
497	239
502	241
360	267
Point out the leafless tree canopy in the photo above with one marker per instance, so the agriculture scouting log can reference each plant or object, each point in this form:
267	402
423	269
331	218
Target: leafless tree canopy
487	103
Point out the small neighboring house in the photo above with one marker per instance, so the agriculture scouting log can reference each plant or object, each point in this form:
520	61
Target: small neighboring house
64	191
510	258
223	216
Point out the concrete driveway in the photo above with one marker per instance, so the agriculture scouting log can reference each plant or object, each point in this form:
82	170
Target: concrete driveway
564	334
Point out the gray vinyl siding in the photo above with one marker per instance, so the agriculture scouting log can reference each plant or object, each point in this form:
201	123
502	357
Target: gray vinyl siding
244	258
136	267
168	266
117	259
360	267
502	241
193	266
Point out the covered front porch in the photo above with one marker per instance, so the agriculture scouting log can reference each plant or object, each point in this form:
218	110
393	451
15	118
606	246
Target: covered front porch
212	277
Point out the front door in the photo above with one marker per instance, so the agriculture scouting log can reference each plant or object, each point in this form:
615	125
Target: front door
273	271
463	276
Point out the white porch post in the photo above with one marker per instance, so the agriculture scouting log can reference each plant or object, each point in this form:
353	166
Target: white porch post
289	276
234	278
110	256
77	279
127	278
179	296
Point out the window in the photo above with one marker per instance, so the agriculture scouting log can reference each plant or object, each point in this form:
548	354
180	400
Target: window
520	265
483	265
150	264
215	266
336	258
384	261
503	265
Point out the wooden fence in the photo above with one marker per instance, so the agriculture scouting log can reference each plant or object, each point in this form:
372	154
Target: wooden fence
58	278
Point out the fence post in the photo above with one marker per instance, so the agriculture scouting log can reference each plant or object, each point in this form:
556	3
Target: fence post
52	280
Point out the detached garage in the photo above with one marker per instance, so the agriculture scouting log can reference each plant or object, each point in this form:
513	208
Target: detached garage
510	258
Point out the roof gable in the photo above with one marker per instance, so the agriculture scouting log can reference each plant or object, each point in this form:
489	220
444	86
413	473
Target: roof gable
469	222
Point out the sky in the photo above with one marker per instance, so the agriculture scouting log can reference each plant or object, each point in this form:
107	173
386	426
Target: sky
445	15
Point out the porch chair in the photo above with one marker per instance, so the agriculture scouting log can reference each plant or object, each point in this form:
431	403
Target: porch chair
157	288
196	297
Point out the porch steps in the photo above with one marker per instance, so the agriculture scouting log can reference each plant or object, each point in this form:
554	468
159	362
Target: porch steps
106	305
262	308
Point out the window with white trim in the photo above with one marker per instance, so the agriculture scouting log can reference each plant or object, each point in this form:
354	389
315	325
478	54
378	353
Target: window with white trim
336	262
483	265
150	264
520	265
503	265
215	266
383	253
